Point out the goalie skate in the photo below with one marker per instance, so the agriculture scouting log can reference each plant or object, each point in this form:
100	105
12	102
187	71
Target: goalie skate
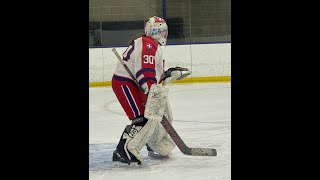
154	155
119	161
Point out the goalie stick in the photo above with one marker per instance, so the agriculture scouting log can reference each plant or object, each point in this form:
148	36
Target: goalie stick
169	128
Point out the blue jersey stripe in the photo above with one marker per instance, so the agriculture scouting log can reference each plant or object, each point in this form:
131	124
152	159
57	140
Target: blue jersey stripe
145	79
128	54
131	101
119	78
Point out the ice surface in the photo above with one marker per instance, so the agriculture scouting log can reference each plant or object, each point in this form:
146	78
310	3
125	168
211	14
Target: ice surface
202	117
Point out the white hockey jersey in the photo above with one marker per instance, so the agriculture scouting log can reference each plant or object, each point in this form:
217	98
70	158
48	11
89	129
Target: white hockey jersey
144	59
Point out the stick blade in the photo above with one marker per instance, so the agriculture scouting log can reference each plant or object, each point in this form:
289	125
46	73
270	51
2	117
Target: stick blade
201	152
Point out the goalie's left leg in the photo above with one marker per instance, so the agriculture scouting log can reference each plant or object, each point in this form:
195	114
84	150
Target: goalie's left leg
122	155
131	142
135	136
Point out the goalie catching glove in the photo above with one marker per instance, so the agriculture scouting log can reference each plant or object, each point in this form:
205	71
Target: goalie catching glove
179	72
176	73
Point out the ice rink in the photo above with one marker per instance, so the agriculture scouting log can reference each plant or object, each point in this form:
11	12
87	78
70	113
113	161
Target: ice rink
202	118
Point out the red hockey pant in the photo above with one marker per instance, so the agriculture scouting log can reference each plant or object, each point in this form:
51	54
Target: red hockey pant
130	97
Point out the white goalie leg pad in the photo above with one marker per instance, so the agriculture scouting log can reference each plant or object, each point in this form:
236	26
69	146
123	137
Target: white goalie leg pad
141	138
155	108
160	141
168	112
164	147
160	132
156	102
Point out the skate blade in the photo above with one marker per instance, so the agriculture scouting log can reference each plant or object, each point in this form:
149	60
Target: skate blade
156	156
134	165
115	164
120	164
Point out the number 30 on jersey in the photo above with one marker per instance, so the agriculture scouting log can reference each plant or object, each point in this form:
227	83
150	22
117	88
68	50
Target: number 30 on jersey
148	59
